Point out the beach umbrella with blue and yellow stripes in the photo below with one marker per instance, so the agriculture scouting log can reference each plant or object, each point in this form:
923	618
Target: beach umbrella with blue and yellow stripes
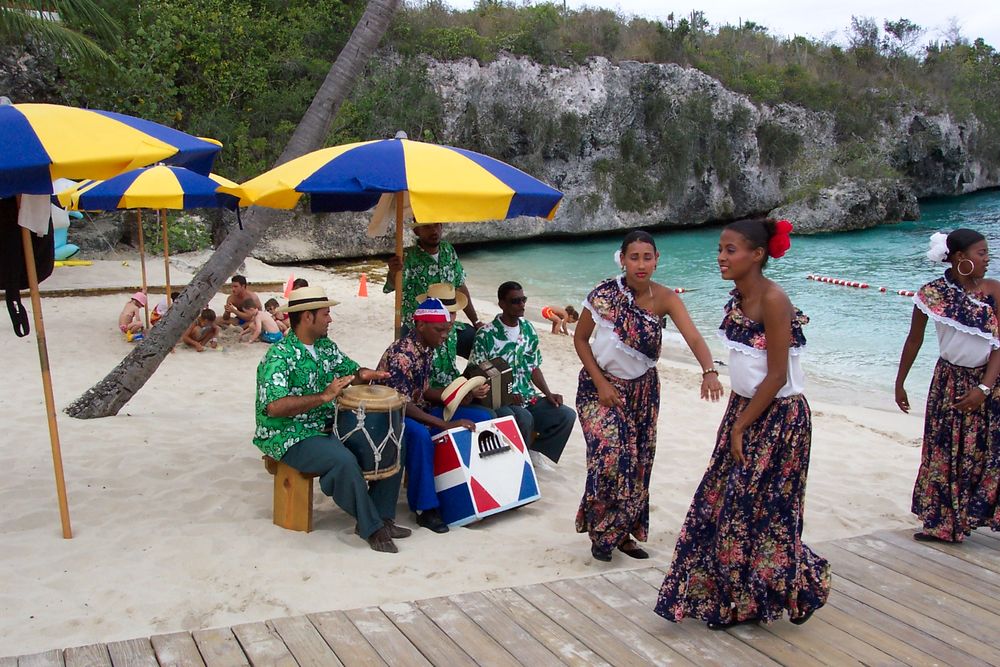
42	142
439	183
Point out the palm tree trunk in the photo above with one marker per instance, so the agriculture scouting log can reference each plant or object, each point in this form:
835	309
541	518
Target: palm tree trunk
109	395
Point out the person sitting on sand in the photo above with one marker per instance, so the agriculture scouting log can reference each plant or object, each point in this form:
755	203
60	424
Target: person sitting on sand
161	308
560	317
203	331
281	319
300	282
130	320
260	325
297	382
407	365
234	304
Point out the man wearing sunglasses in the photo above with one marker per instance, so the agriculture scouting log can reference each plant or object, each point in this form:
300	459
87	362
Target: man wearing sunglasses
535	408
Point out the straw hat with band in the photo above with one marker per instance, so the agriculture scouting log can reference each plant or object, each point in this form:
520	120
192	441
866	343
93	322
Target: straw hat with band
453	395
307	298
446	293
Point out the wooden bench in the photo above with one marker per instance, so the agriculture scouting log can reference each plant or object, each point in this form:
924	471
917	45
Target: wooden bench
293	496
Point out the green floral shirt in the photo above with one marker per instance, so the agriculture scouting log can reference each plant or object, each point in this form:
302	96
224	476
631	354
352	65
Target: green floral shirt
443	365
421	270
289	369
523	354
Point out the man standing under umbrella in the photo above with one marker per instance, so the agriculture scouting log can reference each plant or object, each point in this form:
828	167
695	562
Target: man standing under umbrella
431	260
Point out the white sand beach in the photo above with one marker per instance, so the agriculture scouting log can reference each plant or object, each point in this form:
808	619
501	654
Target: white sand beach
171	505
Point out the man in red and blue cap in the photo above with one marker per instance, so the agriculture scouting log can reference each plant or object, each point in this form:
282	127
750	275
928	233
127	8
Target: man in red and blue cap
408	363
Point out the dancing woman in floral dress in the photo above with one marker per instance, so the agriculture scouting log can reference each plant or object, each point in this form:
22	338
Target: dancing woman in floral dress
956	487
740	557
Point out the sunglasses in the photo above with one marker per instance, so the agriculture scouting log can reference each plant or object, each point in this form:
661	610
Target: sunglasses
521	300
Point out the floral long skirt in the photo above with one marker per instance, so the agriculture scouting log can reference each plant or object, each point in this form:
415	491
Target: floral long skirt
956	487
740	554
621	443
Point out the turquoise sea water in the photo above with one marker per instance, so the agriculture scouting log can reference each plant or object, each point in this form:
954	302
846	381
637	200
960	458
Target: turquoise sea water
855	335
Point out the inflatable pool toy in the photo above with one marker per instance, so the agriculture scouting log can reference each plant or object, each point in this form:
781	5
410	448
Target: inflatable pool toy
73	262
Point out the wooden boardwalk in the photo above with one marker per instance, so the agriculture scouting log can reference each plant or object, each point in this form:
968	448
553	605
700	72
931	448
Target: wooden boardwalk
895	601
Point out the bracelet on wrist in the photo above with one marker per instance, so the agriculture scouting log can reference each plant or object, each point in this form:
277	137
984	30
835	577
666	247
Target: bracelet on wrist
708	371
985	389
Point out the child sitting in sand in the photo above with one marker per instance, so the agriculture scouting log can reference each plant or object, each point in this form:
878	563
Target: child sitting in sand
130	321
281	319
560	317
161	308
261	326
204	331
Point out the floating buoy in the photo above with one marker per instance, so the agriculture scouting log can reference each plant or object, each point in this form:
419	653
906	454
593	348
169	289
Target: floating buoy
881	289
837	281
905	292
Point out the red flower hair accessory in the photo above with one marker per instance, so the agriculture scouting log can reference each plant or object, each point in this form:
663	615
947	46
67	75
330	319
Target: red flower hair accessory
780	242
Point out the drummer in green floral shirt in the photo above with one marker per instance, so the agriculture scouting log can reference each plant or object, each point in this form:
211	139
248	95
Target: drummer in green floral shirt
430	261
297	381
535	408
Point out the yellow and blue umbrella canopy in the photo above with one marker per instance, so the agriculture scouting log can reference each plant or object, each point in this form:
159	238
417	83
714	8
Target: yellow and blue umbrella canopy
445	184
156	187
42	142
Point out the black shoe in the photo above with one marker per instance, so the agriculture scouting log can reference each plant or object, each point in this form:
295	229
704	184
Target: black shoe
927	537
803	618
431	519
380	541
731	624
396	532
633	550
599	554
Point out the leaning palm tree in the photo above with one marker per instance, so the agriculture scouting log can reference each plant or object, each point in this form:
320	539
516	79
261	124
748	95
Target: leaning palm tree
51	22
109	395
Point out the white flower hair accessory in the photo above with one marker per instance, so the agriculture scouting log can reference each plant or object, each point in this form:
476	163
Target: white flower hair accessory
938	251
618	259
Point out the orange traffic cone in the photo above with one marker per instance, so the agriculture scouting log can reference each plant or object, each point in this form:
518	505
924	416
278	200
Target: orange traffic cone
363	287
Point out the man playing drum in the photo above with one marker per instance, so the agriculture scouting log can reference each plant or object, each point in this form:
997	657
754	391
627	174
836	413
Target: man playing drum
297	381
407	363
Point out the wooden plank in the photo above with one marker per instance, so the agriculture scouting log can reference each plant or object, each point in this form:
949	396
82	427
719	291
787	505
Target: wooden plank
480	646
987	532
8	661
829	644
394	647
345	640
934	603
132	653
950	637
304	642
561	643
176	649
925	553
970	551
594	636
634	597
53	658
986	538
92	655
952	583
219	648
504	630
776	648
574	592
263	646
874	634
429	639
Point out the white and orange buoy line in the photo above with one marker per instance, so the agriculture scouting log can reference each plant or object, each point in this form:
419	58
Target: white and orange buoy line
855	283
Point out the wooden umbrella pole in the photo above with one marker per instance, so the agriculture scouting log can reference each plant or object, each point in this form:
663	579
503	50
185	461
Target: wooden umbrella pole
50	403
399	254
166	253
142	264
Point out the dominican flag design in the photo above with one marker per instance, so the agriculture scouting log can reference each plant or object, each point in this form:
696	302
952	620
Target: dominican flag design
482	473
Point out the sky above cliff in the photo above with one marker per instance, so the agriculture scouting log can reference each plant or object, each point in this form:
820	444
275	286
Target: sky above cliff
826	20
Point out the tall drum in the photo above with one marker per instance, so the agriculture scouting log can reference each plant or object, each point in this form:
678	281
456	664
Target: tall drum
369	421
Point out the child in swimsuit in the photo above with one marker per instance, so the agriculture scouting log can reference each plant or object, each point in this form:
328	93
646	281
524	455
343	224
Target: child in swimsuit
560	317
203	331
261	326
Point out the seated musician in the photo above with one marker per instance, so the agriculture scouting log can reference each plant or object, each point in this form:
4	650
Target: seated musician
407	362
444	365
513	339
297	382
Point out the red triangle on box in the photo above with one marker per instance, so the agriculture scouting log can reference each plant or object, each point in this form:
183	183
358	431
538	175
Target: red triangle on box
484	501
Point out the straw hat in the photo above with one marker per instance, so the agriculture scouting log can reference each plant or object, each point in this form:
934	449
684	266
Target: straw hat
307	298
446	293
140	297
455	393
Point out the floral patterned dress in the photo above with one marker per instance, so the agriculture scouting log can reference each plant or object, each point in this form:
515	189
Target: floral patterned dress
956	487
740	554
621	441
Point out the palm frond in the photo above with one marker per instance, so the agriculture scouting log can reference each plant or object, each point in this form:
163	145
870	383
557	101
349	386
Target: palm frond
16	25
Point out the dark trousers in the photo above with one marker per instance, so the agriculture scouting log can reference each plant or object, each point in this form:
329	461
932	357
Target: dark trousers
340	478
553	424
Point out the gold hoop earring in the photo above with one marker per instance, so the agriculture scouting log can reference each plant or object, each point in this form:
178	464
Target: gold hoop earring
964	273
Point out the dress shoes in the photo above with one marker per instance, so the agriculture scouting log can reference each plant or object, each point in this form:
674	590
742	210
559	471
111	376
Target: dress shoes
396	532
431	519
380	541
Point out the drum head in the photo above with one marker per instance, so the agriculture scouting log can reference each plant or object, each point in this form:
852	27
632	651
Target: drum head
373	396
